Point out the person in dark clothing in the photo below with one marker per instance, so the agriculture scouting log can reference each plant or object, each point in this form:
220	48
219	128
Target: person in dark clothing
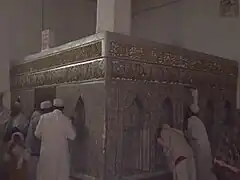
32	143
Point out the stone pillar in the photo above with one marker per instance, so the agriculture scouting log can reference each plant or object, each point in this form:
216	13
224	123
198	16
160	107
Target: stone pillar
114	16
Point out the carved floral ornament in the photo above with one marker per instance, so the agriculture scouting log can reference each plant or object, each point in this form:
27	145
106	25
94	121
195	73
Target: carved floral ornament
187	60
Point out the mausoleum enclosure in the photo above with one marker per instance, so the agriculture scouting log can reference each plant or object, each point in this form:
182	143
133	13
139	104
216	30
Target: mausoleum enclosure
126	87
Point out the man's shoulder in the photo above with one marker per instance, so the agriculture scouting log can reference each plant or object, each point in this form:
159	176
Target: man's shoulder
35	114
60	113
46	116
194	118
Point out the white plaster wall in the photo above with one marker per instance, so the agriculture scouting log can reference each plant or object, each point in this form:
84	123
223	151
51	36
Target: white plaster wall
193	24
69	20
158	24
4	47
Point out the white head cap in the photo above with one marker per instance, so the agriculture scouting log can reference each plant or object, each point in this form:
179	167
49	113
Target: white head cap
58	103
194	108
46	105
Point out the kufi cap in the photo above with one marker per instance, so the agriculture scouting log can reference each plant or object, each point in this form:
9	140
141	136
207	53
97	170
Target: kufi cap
46	105
194	108
58	103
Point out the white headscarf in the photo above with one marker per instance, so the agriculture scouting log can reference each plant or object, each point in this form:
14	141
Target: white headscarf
19	151
17	134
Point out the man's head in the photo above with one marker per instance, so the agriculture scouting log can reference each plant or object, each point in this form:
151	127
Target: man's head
46	107
58	104
159	133
192	110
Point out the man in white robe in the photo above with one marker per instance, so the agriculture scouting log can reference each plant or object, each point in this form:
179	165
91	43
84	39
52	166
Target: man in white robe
32	143
54	129
178	152
197	136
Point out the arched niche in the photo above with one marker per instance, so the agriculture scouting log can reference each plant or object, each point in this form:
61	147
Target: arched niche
160	161
167	112
79	117
133	118
79	148
209	117
228	116
135	139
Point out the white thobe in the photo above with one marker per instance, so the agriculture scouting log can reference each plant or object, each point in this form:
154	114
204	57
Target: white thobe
199	141
54	129
177	146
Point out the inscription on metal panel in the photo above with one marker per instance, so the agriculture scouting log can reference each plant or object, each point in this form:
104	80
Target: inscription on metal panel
74	73
133	71
90	51
181	59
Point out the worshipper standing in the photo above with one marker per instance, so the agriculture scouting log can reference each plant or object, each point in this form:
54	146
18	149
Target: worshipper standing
16	157
196	134
32	143
54	129
36	113
17	120
178	152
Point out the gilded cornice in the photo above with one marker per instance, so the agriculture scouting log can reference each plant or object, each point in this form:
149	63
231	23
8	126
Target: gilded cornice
84	71
148	73
174	57
70	56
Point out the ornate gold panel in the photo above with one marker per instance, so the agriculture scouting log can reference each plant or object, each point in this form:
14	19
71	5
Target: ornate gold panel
86	52
68	74
176	57
128	70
